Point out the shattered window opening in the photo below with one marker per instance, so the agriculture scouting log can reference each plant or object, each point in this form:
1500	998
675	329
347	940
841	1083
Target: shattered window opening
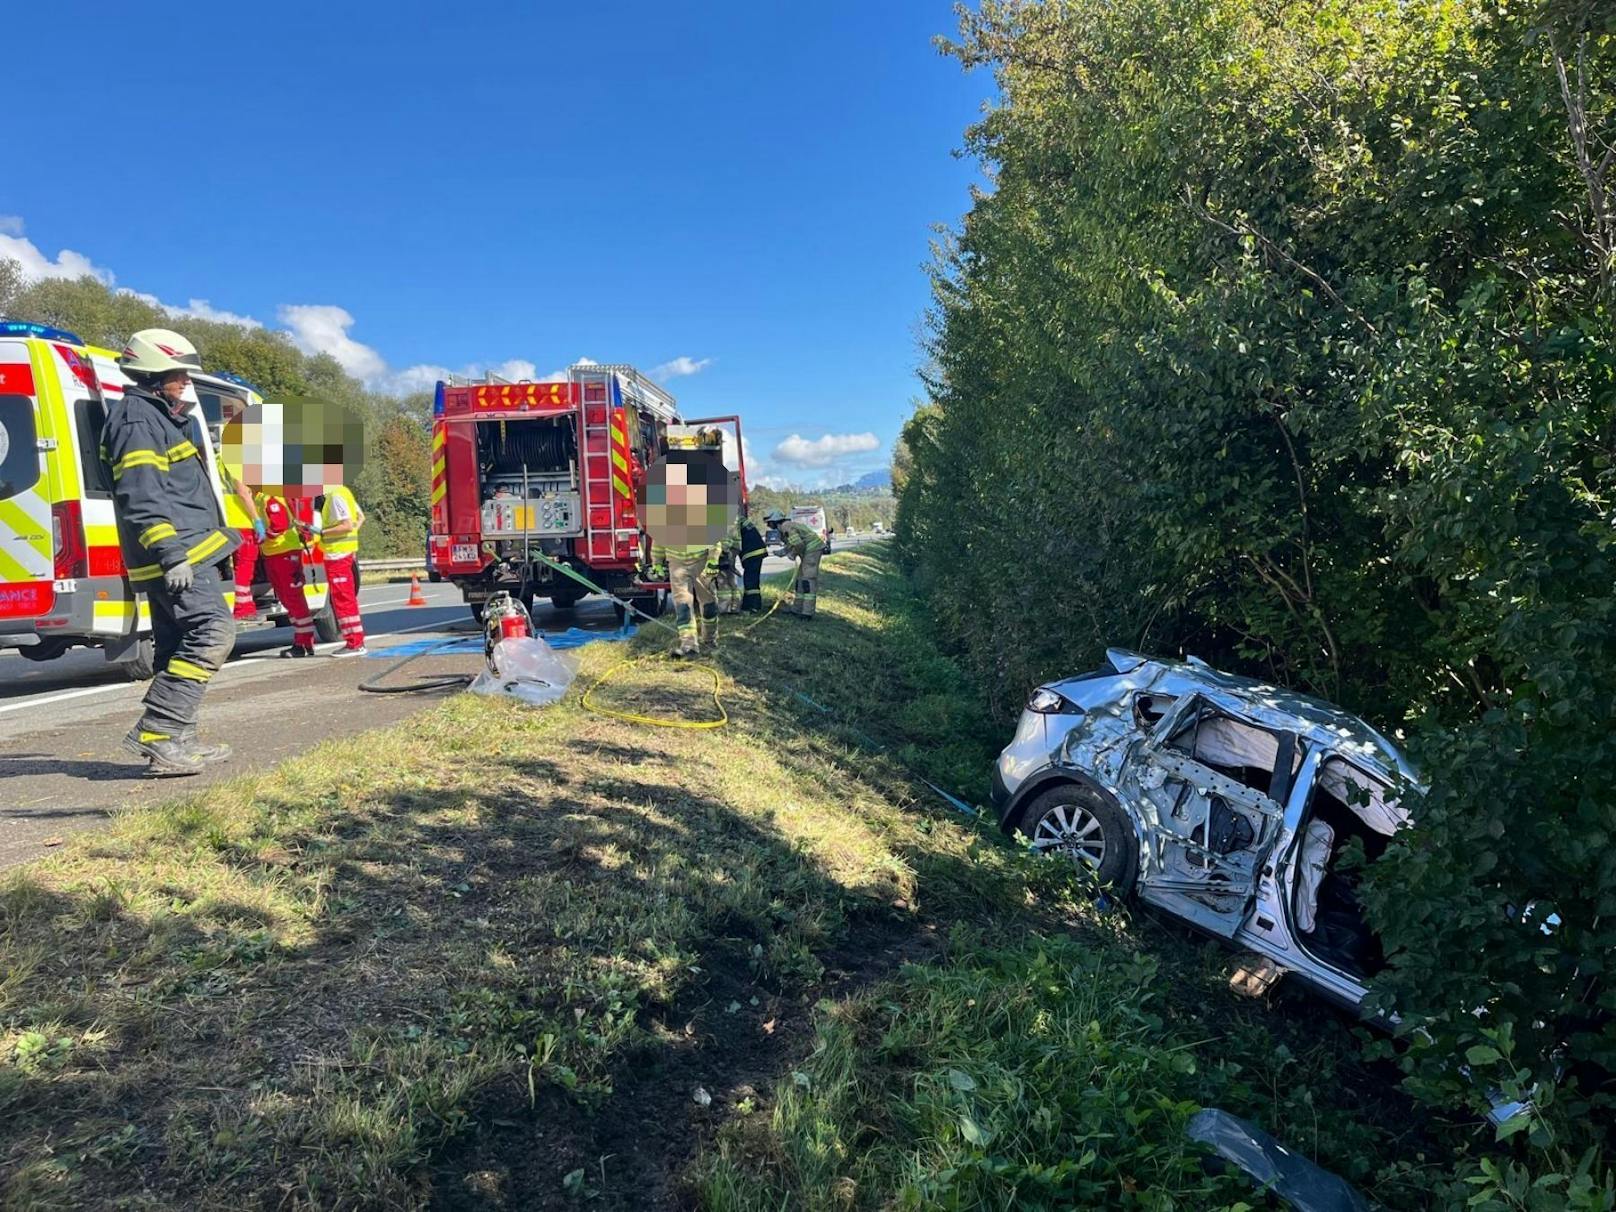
1345	806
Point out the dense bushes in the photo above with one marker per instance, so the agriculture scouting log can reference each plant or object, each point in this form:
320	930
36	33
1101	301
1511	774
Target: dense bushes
1283	335
394	482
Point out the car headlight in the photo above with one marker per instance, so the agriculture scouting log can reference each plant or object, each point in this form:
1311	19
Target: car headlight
1048	702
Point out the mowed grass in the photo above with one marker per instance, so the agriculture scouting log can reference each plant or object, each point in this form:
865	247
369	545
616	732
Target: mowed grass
498	957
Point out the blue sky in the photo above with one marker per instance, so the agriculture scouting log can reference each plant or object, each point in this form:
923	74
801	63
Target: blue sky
743	191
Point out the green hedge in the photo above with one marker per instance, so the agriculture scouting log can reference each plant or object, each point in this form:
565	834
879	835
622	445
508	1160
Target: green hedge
1283	336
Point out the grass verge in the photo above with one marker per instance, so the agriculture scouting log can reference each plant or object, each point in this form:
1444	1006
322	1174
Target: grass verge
497	957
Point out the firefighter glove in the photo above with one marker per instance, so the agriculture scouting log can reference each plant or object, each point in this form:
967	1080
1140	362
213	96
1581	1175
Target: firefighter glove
179	578
258	529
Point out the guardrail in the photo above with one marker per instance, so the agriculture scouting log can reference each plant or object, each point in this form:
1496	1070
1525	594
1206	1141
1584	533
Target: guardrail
411	565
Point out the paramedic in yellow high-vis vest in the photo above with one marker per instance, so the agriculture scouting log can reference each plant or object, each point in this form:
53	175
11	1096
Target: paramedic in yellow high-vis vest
340	520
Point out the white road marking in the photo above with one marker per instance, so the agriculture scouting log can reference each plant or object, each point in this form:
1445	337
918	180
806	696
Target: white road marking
61	696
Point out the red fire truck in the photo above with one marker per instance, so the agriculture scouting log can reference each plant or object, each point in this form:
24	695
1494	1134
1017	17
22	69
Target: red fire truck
521	470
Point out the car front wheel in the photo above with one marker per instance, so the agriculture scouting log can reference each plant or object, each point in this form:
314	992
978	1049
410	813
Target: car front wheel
1087	828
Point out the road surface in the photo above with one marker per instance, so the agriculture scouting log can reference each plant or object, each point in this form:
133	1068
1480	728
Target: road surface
62	722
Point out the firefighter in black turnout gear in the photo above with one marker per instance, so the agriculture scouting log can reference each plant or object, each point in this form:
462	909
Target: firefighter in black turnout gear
174	539
752	551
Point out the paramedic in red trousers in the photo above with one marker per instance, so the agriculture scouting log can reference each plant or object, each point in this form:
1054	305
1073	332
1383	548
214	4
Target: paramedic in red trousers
282	552
173	539
241	512
339	521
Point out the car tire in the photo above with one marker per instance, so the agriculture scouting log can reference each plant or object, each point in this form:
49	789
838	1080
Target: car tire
1091	821
140	665
325	624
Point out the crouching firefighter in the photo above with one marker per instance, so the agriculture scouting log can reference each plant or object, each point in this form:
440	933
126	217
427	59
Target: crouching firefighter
173	540
721	572
804	545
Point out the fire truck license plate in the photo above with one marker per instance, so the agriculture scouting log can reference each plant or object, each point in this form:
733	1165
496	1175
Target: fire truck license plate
463	553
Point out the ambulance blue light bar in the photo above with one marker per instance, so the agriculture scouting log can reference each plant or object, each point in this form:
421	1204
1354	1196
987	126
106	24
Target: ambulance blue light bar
237	380
26	328
437	400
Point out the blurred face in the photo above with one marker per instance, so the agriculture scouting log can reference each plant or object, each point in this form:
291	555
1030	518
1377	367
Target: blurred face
172	387
294	447
688	498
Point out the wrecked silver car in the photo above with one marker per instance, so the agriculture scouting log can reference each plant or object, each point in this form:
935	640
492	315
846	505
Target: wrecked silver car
1224	801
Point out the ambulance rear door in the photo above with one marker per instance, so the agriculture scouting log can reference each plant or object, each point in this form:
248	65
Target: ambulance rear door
27	559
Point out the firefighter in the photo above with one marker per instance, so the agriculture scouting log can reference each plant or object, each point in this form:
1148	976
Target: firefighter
282	552
695	608
173	539
339	520
805	546
752	550
726	589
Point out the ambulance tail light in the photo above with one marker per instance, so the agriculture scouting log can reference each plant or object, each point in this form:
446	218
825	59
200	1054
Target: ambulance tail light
67	533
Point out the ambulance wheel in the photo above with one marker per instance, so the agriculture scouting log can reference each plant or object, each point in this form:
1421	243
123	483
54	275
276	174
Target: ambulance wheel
45	650
138	668
325	624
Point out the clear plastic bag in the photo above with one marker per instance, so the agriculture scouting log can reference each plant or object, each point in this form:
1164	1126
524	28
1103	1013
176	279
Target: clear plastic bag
530	671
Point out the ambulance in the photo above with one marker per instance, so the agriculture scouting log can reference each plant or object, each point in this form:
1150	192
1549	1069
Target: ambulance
62	583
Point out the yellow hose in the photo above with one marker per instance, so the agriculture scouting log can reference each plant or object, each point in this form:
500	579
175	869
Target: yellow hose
655	721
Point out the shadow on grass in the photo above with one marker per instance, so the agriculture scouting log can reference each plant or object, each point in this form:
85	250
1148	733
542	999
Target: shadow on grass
494	958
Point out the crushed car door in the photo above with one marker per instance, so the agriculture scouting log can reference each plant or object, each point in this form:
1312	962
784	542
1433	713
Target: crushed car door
1210	785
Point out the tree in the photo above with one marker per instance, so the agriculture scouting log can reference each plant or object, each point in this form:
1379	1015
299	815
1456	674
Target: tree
1285	336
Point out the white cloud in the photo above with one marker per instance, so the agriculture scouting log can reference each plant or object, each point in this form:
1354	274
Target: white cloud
679	367
36	265
425	375
201	309
822	452
322	328
196	309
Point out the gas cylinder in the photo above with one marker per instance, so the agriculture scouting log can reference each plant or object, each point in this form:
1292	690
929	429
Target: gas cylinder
504	618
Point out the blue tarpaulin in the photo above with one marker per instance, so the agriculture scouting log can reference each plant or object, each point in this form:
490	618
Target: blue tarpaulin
572	637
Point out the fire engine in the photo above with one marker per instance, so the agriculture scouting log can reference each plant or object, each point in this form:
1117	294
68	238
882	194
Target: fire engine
523	470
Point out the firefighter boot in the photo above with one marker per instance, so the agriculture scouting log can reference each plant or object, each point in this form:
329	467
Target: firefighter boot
170	756
688	645
208	754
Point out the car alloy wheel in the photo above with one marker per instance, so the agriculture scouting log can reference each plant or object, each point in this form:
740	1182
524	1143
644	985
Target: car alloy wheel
1073	830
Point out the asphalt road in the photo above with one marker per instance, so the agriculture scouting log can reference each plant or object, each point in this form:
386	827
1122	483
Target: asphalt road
62	722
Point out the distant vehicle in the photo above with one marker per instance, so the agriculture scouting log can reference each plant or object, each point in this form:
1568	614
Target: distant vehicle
813	516
1222	800
877	529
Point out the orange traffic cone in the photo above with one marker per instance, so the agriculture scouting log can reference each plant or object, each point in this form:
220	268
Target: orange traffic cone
417	598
